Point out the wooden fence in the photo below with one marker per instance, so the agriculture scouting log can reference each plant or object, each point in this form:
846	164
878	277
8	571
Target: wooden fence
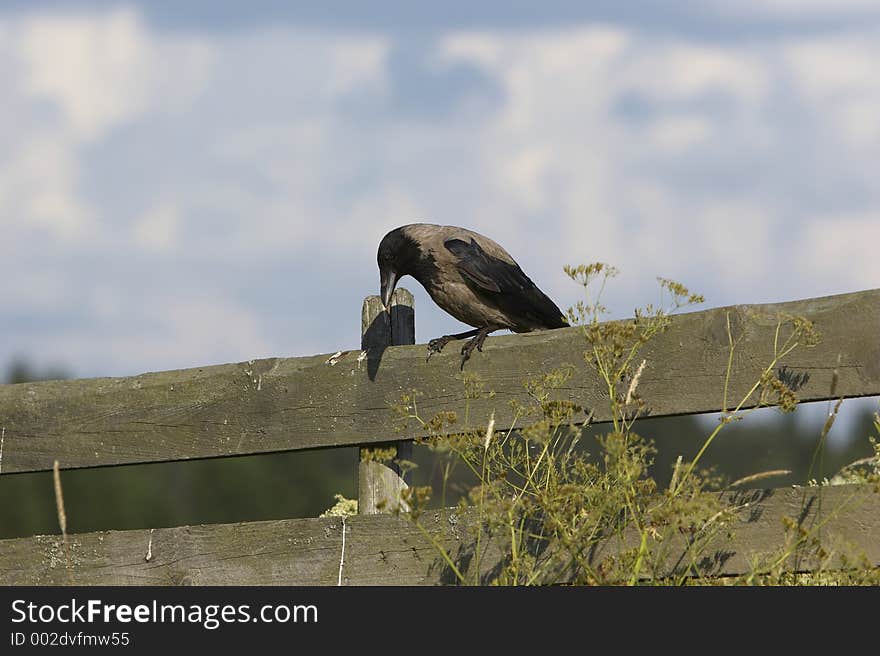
345	399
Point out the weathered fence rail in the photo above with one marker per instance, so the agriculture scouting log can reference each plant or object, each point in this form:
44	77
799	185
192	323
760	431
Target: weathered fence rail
347	399
390	550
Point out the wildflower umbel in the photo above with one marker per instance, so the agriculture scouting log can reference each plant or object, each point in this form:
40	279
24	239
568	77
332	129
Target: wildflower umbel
545	511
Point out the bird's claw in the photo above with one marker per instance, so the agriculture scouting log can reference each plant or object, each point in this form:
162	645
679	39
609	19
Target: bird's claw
435	346
470	345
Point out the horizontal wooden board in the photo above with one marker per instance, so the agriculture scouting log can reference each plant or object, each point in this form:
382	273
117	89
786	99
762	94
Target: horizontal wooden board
348	399
389	550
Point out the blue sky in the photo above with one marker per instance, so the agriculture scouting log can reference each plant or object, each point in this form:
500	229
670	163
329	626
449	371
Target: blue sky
193	183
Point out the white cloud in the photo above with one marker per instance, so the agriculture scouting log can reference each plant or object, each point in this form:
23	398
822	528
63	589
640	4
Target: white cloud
839	75
158	229
69	80
735	244
523	175
372	216
104	70
198	163
88	67
208	330
677	133
673	70
182	332
843	249
358	63
605	185
797	9
219	195
38	189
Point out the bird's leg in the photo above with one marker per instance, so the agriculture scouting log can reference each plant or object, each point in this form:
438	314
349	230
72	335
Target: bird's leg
475	343
436	345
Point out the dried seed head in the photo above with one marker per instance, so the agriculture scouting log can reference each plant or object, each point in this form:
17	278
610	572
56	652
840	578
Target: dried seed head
635	383
490	430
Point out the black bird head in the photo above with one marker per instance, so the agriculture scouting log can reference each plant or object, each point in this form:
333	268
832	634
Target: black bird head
398	256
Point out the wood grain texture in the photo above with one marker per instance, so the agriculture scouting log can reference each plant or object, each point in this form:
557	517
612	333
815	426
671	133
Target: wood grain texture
380	483
390	550
280	404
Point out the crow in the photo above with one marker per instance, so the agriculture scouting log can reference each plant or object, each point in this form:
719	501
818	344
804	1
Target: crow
469	276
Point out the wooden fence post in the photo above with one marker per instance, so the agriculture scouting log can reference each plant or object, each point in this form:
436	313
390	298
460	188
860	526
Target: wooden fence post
381	482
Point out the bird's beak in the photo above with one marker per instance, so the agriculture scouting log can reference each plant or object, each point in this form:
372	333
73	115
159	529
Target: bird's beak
388	279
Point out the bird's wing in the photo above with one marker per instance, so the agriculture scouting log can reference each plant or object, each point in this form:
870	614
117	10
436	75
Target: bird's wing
476	265
505	286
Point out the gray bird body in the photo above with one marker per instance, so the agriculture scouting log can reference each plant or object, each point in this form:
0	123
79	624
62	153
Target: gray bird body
469	276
